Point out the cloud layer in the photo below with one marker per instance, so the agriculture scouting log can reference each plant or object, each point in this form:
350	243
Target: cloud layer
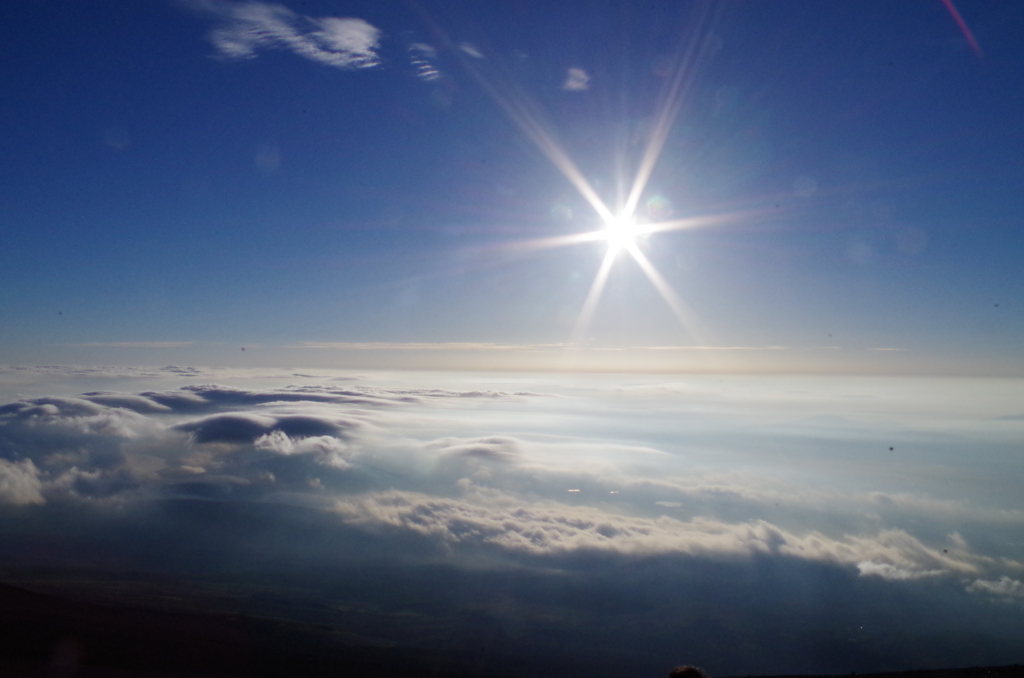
538	494
505	475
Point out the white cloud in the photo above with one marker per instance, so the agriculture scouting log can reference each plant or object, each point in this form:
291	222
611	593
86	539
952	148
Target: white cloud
326	449
248	27
422	57
19	483
542	528
576	80
893	572
43	421
137	403
1004	587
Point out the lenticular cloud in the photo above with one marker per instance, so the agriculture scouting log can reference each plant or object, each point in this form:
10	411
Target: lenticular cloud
248	27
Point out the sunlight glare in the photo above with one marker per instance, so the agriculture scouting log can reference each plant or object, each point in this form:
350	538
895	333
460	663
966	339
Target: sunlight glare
621	230
621	233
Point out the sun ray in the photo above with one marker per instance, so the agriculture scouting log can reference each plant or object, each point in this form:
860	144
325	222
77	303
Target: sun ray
518	107
678	306
668	111
620	230
524	113
637	230
689	223
550	242
586	315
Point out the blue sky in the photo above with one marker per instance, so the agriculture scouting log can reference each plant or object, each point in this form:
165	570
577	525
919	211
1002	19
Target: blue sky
172	194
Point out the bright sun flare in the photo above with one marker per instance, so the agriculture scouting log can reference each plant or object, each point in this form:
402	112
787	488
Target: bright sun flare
621	233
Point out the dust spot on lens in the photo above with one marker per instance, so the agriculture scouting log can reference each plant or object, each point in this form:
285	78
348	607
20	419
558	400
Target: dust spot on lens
659	208
561	213
805	187
911	240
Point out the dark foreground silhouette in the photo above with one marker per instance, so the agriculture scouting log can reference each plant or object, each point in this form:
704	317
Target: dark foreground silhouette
44	635
55	636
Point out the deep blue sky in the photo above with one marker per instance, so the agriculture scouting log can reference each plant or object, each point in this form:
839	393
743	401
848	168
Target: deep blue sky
154	189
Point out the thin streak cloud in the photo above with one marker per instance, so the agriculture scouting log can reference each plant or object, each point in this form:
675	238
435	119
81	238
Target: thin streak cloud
413	346
714	348
136	344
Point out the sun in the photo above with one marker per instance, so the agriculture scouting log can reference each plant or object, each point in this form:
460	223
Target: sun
621	233
617	225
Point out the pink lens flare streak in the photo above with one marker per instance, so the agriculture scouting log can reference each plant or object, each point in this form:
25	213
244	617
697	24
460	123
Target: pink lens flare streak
963	27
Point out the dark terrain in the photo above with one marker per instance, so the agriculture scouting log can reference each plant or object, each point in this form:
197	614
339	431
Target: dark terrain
137	631
46	635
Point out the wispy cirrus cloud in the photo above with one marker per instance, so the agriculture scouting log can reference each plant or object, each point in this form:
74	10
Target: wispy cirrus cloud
422	57
471	50
248	27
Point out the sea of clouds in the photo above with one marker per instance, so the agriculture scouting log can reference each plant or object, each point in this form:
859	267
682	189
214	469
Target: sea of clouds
818	523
